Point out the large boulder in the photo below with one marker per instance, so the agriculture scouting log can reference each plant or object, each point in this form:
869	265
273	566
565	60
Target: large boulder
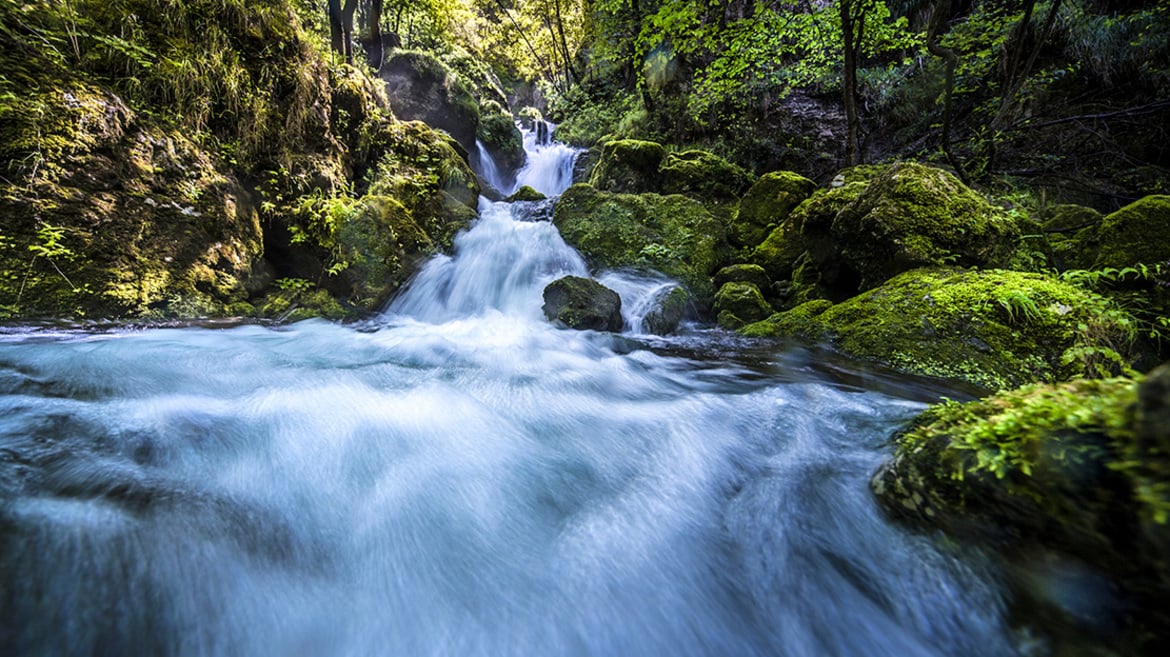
1137	233
993	329
583	304
855	237
628	166
737	304
673	235
766	205
702	176
422	88
500	136
1075	472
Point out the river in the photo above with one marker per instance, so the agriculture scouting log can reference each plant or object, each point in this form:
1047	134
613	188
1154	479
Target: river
458	477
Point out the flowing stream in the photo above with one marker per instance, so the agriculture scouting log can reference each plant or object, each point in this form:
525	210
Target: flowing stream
459	477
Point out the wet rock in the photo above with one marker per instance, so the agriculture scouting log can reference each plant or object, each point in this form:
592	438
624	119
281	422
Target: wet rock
583	304
743	273
1058	481
526	193
667	310
855	237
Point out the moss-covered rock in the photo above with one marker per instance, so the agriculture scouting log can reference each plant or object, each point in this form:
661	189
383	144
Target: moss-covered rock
500	136
628	166
526	193
743	273
702	176
994	329
132	219
782	248
856	236
423	88
674	235
1072	468
1137	233
583	304
1073	234
737	304
667	309
766	205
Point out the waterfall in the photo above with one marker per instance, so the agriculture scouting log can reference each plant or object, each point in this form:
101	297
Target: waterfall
459	477
489	170
549	169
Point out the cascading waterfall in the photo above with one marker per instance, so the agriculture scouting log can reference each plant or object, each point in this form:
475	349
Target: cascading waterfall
461	478
488	169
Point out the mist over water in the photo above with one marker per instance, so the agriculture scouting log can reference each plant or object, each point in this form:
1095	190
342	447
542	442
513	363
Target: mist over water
459	477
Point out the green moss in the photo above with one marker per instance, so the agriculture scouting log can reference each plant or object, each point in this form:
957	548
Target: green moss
737	304
583	303
702	176
915	216
1137	233
499	134
993	329
800	322
671	234
784	245
766	205
743	273
628	166
1067	466
526	193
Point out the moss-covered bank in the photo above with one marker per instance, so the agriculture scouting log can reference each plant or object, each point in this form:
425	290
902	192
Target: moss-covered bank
995	329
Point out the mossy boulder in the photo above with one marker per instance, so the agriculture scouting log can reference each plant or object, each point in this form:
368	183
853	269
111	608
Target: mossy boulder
861	234
500	136
667	309
422	88
1074	234
737	304
994	329
702	176
583	304
673	235
743	273
1137	233
628	166
1077	468
766	205
526	193
785	244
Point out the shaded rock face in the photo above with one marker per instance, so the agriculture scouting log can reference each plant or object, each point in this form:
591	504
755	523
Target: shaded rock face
1072	232
703	175
674	235
422	88
855	237
1063	474
583	304
133	219
992	329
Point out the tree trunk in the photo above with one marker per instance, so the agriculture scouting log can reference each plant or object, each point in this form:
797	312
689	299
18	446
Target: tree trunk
850	13
374	54
940	16
336	36
347	29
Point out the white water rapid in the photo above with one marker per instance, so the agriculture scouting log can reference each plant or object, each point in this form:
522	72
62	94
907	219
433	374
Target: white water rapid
458	477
